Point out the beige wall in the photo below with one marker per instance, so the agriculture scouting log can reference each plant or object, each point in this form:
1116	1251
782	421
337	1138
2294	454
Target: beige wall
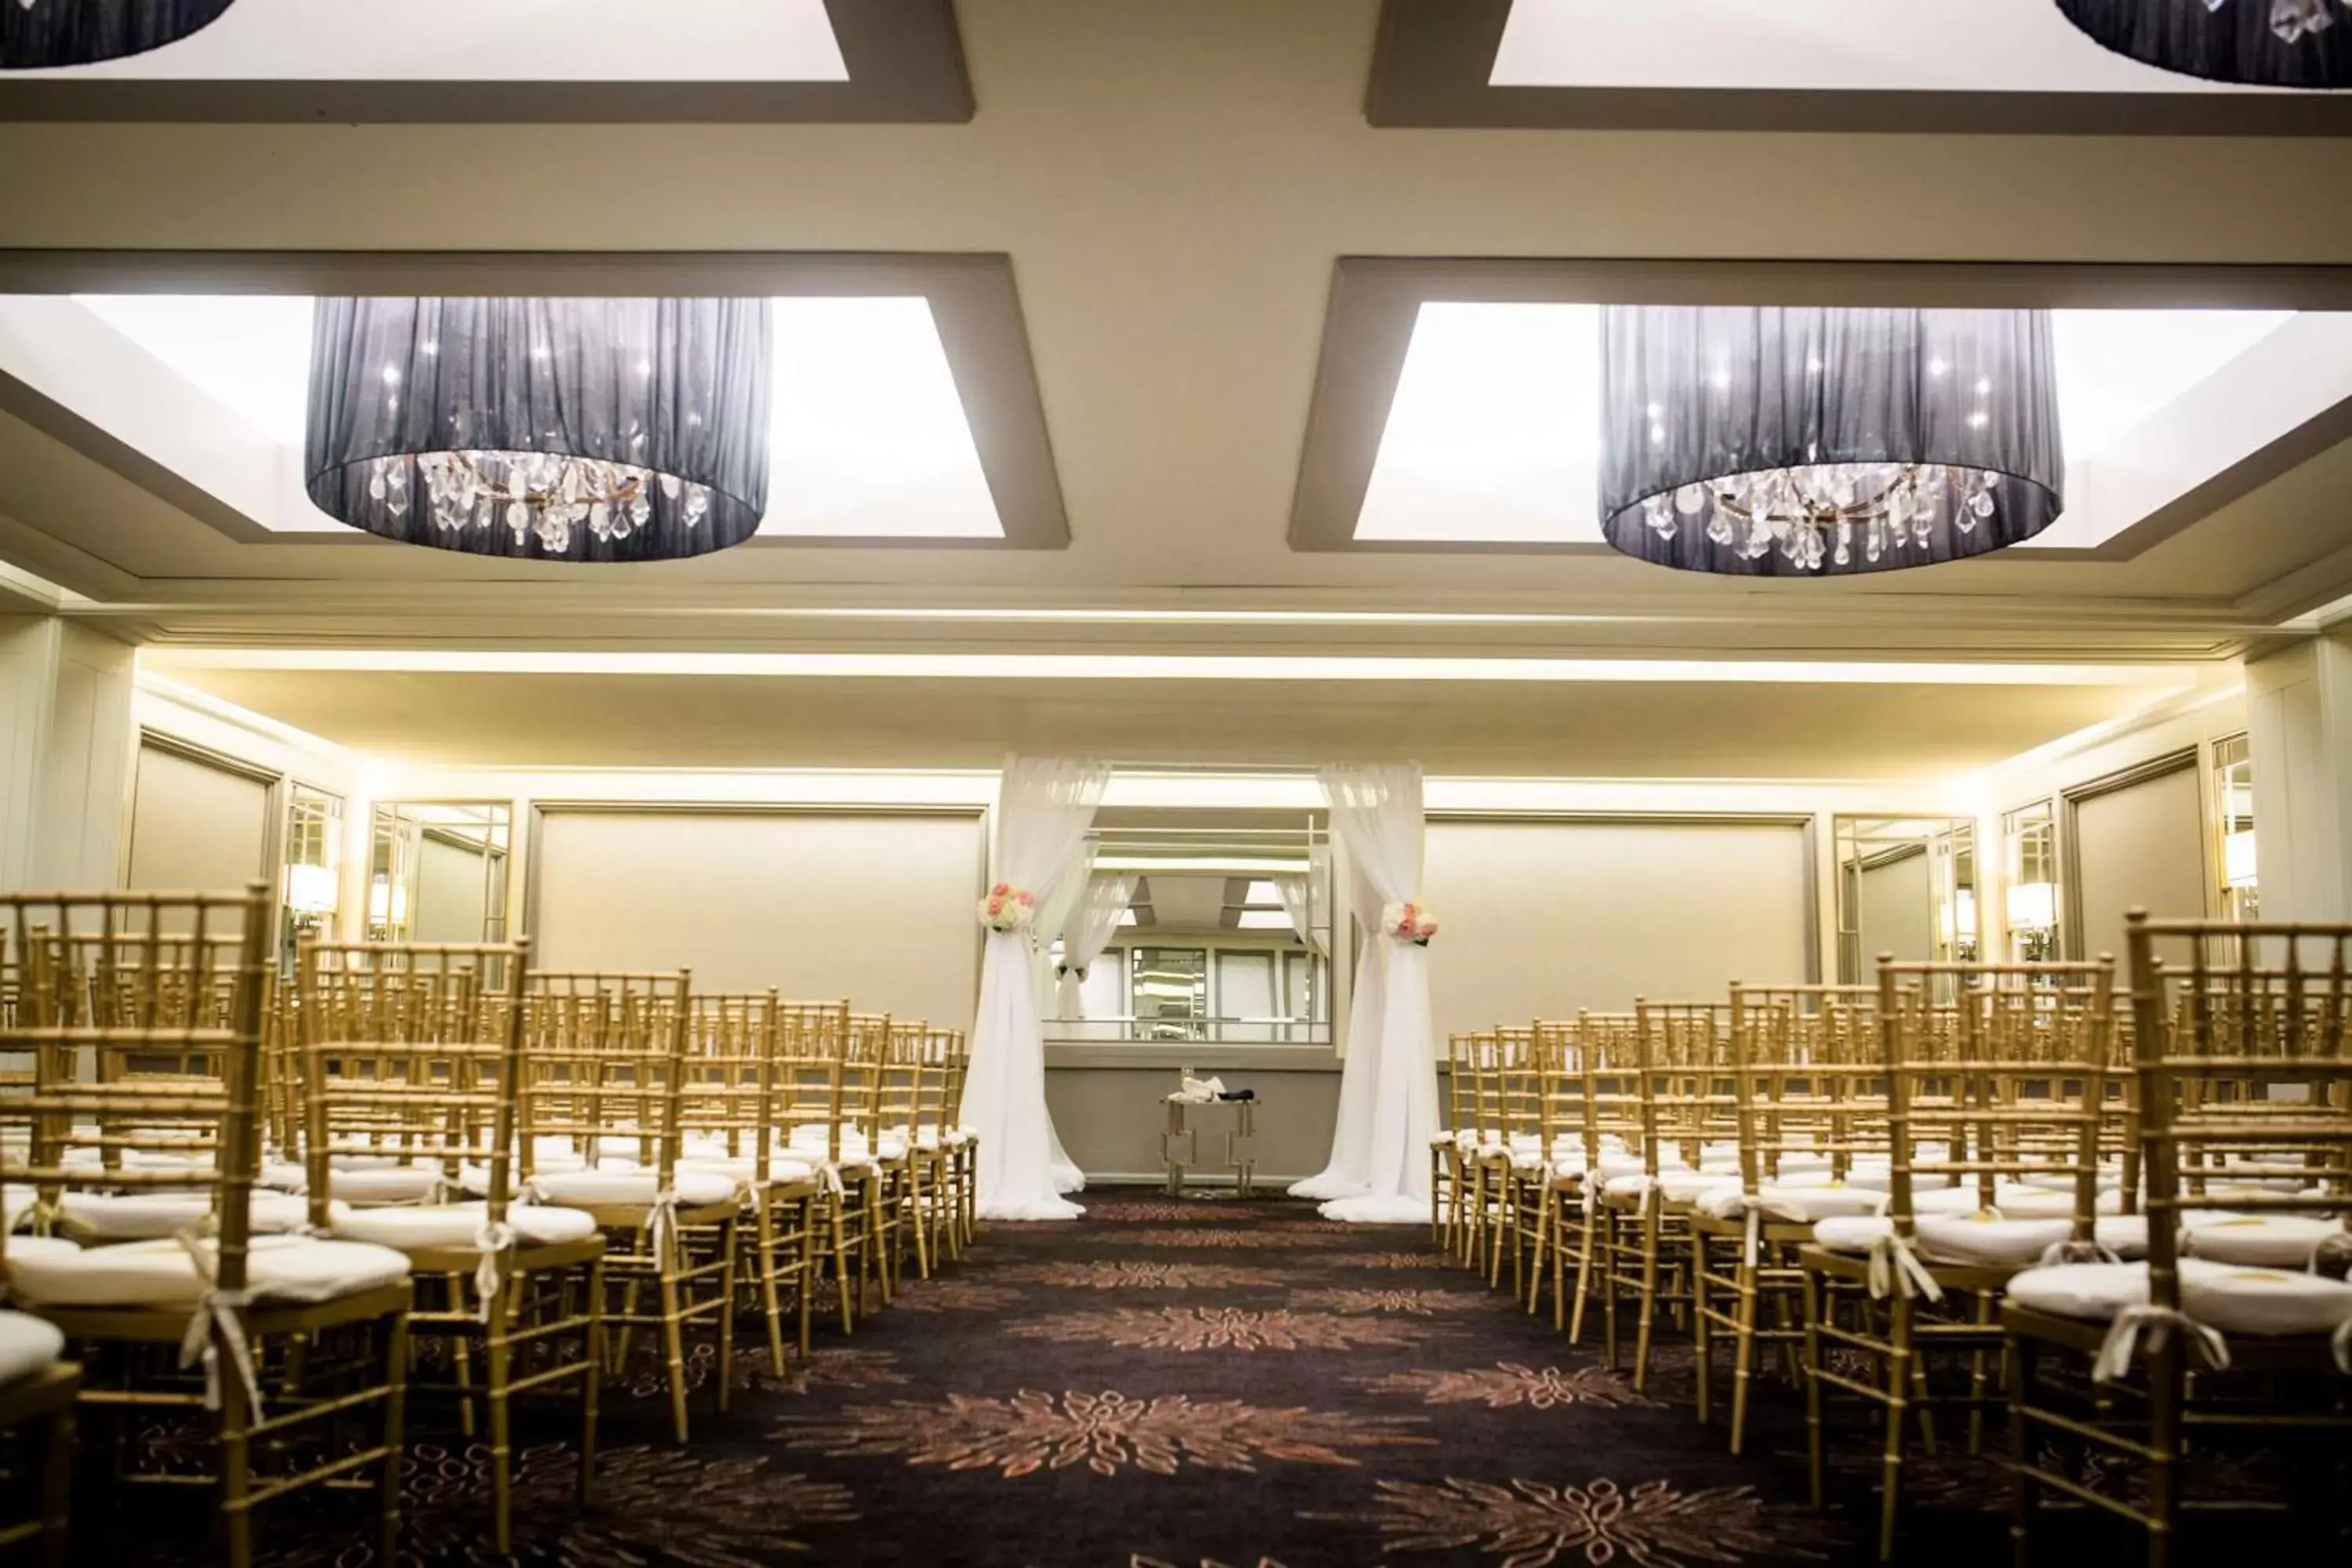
874	906
1542	918
64	752
2142	845
196	825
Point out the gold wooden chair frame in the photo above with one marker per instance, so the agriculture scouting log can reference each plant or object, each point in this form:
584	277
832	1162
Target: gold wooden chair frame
40	1407
156	1067
2009	1075
416	1051
2243	1068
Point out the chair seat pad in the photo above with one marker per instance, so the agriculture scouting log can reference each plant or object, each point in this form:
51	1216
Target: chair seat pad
28	1345
742	1168
1802	1204
1527	1160
1694	1186
2234	1299
149	1217
2274	1241
1989	1241
411	1229
1632	1186
1444	1140
1618	1163
2110	1179
1853	1233
21	1247
1878	1177
367	1185
2017	1201
161	1274
597	1189
1947	1200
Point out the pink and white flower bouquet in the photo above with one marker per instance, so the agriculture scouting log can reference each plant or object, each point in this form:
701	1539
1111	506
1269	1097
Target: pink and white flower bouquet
1409	922
1008	907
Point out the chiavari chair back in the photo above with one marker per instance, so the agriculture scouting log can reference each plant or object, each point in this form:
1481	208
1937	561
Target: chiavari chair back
2238	1326
135	1119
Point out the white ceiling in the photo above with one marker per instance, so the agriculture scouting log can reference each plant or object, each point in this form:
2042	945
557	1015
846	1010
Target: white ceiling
461	40
2005	46
1495	433
868	437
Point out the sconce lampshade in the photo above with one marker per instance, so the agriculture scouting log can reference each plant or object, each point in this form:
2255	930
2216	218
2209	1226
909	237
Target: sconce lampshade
40	35
312	889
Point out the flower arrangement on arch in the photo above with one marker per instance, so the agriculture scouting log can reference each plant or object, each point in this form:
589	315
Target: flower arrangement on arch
1008	907
1409	922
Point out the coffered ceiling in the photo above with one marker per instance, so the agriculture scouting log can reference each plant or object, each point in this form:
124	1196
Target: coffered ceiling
1169	207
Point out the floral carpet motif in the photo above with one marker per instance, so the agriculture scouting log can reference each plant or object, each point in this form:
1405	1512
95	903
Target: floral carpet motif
1531	1525
1106	1431
1219	1329
1508	1383
1160	1384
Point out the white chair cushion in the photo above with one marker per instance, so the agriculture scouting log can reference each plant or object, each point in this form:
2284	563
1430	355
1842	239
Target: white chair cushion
597	1189
27	1344
1527	1160
2124	1234
2110	1179
1988	1241
1443	1140
1947	1200
1569	1165
161	1274
386	1185
1799	1204
742	1168
1878	1177
1693	1186
147	1217
2274	1241
21	1247
1852	1233
1617	1162
1632	1186
2017	1201
2234	1299
1527	1142
460	1224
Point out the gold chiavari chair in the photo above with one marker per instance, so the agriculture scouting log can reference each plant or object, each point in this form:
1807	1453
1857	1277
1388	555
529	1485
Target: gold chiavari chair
1994	1104
2245	1078
819	1088
39	1388
418	1049
729	1114
914	1089
604	1067
1515	1168
1556	1195
1608	1067
1448	1150
1796	1091
883	1172
1482	1059
289	1349
1679	1072
963	1144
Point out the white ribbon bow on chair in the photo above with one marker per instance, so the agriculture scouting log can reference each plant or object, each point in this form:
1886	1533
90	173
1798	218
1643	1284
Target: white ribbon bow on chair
493	1241
2341	1343
1757	1209
2122	1344
661	1222
1894	1265
224	1311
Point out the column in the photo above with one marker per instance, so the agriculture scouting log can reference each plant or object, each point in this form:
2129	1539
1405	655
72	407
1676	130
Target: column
2299	729
64	752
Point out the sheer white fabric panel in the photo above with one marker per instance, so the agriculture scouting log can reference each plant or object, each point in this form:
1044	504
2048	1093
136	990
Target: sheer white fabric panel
1299	908
1377	813
1043	812
1084	939
1348	1174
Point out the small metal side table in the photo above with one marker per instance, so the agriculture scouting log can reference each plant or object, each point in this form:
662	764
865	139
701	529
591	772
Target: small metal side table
1180	1145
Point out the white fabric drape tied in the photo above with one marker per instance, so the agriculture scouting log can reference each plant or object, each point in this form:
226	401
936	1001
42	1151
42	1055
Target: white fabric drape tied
1894	1265
2340	1342
1091	926
1297	895
1379	1171
2121	1347
493	1241
661	1223
2059	1252
1757	1207
1043	812
219	1320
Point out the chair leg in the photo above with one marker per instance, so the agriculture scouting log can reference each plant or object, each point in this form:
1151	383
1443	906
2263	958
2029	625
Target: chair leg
236	1468
395	1431
57	1491
1647	1324
764	1242
1702	1332
674	1339
841	1262
1898	1399
728	1237
2023	1493
592	1381
1743	1354
1817	1302
498	1354
1542	1243
1586	1233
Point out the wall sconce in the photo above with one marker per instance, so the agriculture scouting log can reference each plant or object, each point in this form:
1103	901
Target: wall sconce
311	892
2238	859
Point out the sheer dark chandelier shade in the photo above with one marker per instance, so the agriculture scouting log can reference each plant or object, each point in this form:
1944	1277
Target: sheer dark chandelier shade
2258	43
562	429
37	35
1816	443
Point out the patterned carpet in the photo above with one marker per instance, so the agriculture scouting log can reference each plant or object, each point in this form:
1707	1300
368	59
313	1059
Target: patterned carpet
1197	1384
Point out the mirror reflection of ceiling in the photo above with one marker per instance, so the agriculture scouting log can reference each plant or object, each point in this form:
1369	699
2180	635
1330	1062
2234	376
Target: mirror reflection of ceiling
457	40
2005	46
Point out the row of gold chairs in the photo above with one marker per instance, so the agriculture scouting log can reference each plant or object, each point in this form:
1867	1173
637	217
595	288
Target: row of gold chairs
2114	1218
272	1213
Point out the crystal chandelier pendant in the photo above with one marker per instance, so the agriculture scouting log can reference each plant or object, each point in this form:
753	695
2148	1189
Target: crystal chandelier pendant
1819	443
2302	44
584	430
44	34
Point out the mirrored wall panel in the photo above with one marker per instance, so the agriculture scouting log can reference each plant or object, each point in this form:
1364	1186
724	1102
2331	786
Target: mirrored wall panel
437	871
2030	846
1906	888
2233	827
310	869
